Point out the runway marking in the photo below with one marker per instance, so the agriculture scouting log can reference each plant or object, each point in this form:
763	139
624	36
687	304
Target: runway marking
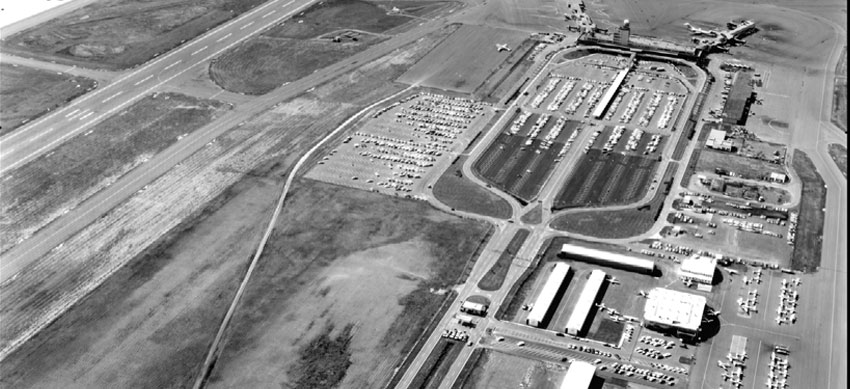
246	26
224	37
143	80
111	97
72	112
173	65
75	131
86	115
269	14
199	50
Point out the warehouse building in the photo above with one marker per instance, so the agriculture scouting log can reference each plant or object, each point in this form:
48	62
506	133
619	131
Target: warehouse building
578	318
674	312
579	375
738	103
543	305
606	258
699	268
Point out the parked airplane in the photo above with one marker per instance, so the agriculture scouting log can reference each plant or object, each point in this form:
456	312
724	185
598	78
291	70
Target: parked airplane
502	47
700	31
643	294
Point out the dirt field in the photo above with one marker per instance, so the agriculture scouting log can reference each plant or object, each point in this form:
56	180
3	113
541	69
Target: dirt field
495	370
618	223
73	270
156	316
839	155
118	34
42	190
297	48
321	269
460	193
464	60
28	93
807	251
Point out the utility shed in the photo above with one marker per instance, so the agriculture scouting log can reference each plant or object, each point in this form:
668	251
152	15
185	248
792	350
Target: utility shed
579	375
582	308
542	306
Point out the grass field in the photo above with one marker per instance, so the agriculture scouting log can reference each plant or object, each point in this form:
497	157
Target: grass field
495	87
335	252
119	34
496	370
42	190
28	93
478	357
495	277
460	193
807	250
618	223
262	64
839	94
327	16
322	362
534	216
691	168
431	374
293	49
839	155
464	60
154	318
607	179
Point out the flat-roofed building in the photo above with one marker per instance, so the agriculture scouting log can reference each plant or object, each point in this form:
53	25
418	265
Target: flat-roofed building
607	258
717	140
543	304
699	268
473	308
609	94
578	318
674	312
579	375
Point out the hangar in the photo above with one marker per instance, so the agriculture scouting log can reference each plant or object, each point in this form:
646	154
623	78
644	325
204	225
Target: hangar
674	312
582	308
542	306
607	258
698	268
579	375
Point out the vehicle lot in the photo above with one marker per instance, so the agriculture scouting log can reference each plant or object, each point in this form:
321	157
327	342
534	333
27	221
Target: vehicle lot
396	148
521	159
612	174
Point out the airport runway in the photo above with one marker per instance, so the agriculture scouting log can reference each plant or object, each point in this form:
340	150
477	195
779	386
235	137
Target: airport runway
20	146
62	228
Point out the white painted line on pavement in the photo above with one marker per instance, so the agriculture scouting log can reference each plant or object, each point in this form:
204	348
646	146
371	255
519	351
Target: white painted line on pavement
246	26
173	64
224	37
72	112
143	80
199	50
71	133
86	115
269	14
110	97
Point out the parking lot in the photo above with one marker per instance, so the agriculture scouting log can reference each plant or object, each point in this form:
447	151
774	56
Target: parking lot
399	147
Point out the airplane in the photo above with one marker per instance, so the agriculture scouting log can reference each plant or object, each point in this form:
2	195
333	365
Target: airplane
746	280
502	47
722	365
700	31
796	282
643	294
614	281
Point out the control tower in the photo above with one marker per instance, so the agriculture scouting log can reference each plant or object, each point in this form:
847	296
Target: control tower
621	36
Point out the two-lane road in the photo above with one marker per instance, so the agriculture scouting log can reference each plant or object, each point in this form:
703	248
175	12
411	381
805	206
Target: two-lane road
79	116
